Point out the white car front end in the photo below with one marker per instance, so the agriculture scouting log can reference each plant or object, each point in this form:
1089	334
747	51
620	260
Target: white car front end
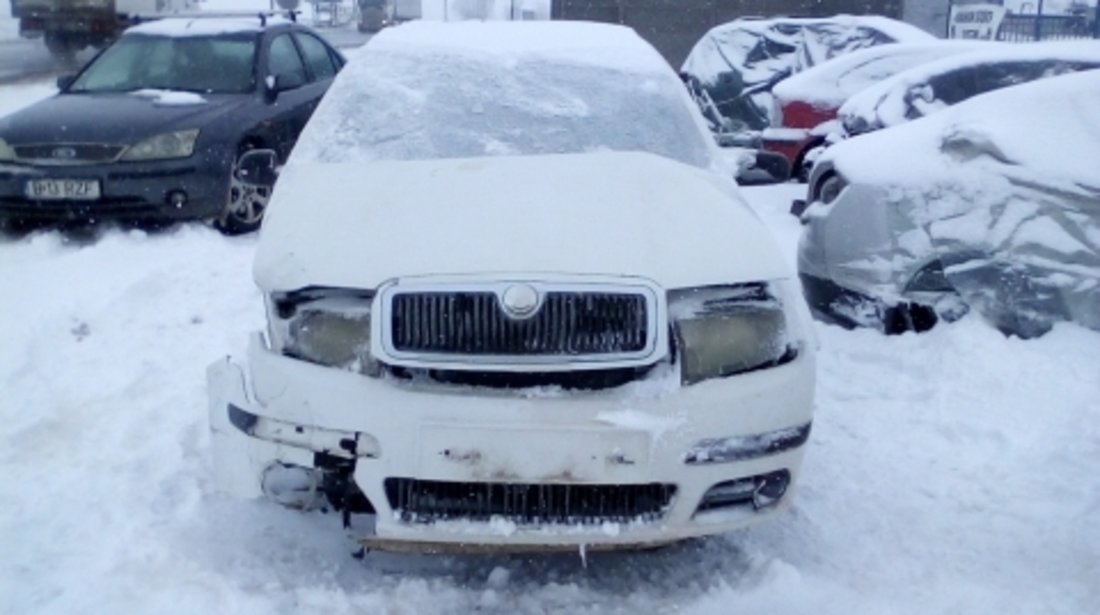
611	354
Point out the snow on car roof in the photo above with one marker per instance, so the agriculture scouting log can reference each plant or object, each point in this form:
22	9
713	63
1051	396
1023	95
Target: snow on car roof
206	26
608	45
883	104
833	82
458	90
1024	129
730	42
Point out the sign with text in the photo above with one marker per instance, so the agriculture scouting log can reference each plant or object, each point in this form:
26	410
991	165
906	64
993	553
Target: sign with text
975	21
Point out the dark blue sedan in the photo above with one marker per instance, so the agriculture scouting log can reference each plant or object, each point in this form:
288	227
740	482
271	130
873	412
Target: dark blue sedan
152	128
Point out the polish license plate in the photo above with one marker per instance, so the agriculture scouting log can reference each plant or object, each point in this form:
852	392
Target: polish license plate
63	189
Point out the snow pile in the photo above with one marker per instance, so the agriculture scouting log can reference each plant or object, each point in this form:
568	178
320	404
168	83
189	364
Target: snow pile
829	84
888	102
953	471
170	98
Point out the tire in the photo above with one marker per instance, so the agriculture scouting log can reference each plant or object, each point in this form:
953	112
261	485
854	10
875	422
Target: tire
62	48
245	205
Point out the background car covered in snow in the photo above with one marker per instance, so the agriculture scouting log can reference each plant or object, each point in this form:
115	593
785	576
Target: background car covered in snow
806	103
734	66
996	210
933	86
505	309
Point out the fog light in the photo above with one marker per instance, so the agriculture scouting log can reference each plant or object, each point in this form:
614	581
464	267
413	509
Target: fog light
292	486
177	198
762	491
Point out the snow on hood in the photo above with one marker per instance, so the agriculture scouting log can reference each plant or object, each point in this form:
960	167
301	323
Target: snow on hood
831	83
168	98
884	104
610	213
1005	186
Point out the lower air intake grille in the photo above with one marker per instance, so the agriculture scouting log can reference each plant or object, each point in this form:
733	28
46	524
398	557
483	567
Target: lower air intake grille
421	501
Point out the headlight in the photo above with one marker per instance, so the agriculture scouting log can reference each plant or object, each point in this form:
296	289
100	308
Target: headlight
725	330
180	144
7	154
331	330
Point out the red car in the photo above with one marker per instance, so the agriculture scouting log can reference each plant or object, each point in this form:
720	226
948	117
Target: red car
806	103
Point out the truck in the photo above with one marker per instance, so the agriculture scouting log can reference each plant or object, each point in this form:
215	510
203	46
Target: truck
69	26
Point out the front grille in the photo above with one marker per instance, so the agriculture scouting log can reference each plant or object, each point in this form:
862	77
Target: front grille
473	323
422	501
68	153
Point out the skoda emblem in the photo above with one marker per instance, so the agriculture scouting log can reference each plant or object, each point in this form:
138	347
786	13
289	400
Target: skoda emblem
520	300
65	153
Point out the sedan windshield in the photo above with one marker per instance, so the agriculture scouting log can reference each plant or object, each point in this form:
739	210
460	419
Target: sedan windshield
416	106
194	64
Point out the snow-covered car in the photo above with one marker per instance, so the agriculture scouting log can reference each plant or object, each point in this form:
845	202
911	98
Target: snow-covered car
734	66
806	104
506	309
152	128
933	86
996	209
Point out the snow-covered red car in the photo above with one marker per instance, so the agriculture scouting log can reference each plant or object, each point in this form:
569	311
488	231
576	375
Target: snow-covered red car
996	210
506	309
806	104
736	64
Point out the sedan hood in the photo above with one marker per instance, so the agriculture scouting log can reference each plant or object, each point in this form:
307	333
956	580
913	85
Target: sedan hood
116	118
609	213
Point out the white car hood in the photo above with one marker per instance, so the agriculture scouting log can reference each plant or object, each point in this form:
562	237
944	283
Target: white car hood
359	225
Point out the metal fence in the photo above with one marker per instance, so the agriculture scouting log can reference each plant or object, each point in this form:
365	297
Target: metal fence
1022	28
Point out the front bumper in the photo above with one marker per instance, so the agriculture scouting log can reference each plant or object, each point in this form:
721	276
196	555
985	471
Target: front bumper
129	191
693	438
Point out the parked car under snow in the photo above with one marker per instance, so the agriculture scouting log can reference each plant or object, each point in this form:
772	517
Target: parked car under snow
933	86
506	309
996	210
806	104
734	66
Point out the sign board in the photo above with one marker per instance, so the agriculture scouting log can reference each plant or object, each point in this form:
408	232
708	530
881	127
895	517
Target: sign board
975	21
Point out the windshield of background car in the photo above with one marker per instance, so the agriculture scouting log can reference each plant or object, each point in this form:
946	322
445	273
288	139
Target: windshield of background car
195	63
416	106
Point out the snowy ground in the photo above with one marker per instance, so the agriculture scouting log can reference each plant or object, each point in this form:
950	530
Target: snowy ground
951	472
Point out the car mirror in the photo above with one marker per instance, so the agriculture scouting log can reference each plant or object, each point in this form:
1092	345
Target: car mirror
258	167
767	168
285	81
64	81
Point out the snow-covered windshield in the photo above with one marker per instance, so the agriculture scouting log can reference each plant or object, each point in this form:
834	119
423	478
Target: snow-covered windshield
398	105
222	64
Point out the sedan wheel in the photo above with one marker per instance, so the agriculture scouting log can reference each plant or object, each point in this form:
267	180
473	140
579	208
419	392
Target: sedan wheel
245	208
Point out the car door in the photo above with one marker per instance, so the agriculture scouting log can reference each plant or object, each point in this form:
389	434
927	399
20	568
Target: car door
289	109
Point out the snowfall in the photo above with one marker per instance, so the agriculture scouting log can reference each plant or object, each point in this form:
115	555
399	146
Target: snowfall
956	471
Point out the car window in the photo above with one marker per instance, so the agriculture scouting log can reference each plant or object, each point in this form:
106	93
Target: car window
193	63
317	56
284	58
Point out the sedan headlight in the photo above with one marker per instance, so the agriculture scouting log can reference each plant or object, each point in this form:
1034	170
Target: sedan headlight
332	330
180	144
725	330
7	154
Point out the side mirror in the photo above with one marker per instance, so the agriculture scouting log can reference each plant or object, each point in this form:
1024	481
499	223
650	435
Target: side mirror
258	167
767	168
285	81
64	81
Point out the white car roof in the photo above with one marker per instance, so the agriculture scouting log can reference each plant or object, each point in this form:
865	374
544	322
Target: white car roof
884	102
207	26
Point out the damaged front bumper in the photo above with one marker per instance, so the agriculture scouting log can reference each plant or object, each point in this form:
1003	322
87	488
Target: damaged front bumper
440	467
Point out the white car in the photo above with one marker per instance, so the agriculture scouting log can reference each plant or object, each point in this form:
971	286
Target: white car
515	301
996	211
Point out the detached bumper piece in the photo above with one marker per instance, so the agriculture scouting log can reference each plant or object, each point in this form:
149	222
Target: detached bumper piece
421	501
